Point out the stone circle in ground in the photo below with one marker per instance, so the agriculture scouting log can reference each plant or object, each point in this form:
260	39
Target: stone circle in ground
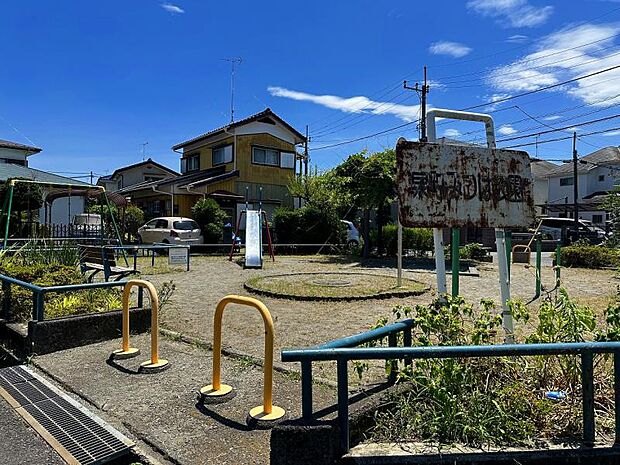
333	286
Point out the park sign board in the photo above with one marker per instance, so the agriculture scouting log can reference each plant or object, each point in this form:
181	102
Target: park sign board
178	255
445	186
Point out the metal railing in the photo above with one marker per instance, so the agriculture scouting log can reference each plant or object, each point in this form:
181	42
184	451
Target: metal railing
38	294
344	350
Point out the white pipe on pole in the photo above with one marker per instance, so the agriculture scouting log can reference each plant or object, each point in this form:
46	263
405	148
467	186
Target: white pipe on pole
500	234
400	253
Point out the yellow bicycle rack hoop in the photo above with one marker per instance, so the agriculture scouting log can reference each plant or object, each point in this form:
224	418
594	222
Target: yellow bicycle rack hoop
216	391
155	364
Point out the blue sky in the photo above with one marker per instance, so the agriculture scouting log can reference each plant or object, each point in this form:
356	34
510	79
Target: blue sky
90	82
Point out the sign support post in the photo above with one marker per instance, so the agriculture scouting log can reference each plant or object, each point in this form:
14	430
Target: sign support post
454	186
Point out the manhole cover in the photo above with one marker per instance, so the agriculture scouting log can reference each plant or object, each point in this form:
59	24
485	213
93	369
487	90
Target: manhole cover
331	282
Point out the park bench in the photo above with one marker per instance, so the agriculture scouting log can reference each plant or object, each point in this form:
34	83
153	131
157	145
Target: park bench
96	259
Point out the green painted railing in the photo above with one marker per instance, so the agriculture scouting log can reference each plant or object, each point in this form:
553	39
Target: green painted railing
38	294
344	350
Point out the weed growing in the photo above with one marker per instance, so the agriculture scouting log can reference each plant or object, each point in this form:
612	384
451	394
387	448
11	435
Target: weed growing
497	401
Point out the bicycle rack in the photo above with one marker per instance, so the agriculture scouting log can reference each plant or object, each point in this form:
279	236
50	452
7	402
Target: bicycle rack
155	364
219	392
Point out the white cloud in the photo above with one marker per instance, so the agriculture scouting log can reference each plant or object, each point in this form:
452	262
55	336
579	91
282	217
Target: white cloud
174	9
552	117
453	49
506	130
611	133
592	48
514	13
517	39
358	104
451	133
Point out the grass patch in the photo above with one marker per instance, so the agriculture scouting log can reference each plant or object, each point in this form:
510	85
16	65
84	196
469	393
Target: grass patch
326	285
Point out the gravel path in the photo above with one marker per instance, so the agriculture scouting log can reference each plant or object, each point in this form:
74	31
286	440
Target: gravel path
302	324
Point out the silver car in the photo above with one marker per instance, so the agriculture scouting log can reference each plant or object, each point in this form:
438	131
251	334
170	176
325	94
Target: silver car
170	230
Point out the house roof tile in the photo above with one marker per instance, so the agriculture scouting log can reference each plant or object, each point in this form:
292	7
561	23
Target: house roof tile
265	113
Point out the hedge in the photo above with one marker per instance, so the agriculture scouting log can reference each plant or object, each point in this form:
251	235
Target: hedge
589	256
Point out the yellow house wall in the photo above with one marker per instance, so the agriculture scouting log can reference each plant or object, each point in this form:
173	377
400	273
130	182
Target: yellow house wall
273	179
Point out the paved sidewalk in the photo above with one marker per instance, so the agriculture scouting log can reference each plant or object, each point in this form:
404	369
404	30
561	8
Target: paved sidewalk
162	410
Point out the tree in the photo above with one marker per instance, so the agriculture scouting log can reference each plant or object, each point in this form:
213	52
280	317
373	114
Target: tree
322	190
371	183
26	197
612	205
210	217
133	219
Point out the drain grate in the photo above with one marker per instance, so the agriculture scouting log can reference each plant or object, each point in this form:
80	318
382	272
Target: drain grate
75	433
14	375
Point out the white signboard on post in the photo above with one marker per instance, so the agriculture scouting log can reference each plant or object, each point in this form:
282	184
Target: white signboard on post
446	186
177	256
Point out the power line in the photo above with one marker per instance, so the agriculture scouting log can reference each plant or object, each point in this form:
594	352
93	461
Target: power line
539	57
585	123
523	94
552	86
557	139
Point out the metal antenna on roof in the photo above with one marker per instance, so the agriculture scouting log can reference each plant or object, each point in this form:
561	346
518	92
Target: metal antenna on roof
233	61
144	149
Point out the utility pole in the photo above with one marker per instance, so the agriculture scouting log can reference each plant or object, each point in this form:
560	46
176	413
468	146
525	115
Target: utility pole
306	152
233	61
91	178
422	92
575	183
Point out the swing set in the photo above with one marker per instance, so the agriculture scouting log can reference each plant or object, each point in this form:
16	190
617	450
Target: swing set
54	191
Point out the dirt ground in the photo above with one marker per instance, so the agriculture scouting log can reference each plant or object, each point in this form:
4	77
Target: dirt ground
300	324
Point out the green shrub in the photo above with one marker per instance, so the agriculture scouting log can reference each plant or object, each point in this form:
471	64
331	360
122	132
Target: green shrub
210	217
473	251
418	240
133	219
41	274
590	256
308	225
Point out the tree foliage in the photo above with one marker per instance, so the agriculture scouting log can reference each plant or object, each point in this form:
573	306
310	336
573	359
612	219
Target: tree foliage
210	217
612	205
308	225
26	196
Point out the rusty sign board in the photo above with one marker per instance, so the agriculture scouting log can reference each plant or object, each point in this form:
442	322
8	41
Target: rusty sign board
442	185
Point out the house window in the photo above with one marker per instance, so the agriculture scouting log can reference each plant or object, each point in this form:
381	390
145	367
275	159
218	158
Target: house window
597	219
287	160
191	163
566	181
222	155
263	156
153	178
601	177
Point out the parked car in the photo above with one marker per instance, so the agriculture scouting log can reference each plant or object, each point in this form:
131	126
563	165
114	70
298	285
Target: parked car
353	235
565	229
86	225
170	230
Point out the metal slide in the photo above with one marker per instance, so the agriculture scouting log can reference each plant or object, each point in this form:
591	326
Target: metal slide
253	240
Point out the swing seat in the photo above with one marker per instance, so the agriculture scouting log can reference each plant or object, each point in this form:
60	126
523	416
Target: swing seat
94	259
521	254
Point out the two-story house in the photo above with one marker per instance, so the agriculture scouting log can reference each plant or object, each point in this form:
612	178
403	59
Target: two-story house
225	164
597	174
126	176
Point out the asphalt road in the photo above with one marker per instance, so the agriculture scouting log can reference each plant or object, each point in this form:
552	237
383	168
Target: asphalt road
20	444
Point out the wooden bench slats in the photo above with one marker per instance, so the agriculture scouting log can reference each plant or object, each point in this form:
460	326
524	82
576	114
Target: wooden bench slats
93	258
